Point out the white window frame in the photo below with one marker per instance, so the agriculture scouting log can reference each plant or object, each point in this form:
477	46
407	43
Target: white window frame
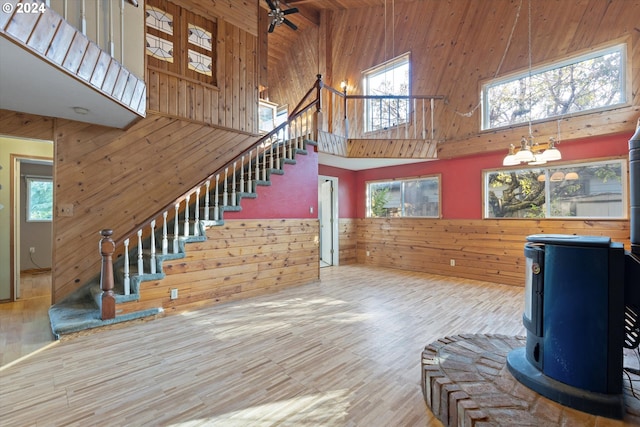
548	202
437	178
383	68
29	180
524	75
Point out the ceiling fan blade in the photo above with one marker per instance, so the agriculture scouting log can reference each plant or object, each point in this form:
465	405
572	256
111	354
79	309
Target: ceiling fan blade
290	24
290	11
272	26
271	5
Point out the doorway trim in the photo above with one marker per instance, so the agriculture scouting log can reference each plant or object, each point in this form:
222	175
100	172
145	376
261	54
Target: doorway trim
335	245
15	216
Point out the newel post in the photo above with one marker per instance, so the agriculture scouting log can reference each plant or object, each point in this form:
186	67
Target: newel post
318	125
107	247
319	85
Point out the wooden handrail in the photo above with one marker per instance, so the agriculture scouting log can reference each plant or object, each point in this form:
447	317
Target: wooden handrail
297	112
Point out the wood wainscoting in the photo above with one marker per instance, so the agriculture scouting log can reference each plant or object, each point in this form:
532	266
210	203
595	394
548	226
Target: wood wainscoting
490	250
347	234
240	259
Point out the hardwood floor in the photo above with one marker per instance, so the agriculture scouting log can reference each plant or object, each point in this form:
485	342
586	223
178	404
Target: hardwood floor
344	351
24	324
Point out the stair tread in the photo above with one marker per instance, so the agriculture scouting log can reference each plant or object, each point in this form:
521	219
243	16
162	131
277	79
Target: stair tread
82	310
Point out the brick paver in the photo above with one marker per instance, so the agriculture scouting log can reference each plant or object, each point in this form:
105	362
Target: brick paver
466	383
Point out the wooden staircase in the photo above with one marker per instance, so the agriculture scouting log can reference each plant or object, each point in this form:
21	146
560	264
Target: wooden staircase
84	308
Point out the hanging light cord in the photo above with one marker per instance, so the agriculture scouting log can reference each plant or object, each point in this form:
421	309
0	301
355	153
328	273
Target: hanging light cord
504	55
530	64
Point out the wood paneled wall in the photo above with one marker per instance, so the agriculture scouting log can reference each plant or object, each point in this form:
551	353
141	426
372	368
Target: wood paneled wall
232	104
24	125
238	260
117	179
347	243
491	250
457	45
296	73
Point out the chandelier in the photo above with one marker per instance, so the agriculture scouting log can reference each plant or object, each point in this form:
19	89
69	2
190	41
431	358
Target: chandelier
531	152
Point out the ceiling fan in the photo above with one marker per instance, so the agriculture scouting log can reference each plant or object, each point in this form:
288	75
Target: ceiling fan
277	15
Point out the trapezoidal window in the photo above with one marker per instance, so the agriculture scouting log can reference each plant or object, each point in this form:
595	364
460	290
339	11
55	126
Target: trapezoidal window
382	84
594	81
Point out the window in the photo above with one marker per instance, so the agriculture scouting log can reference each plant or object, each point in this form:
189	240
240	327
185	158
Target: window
588	82
419	197
584	190
390	78
180	41
39	199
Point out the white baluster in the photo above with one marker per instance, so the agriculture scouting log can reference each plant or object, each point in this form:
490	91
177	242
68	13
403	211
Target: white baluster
278	164
242	175
186	216
176	230
127	280
264	163
196	222
153	247
257	174
112	48
140	260
206	201
83	17
165	241
249	188
273	142
233	186
225	192
216	209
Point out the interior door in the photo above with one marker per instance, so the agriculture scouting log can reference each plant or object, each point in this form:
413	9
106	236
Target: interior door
326	223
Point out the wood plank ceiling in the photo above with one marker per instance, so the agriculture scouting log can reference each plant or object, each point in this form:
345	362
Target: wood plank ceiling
283	37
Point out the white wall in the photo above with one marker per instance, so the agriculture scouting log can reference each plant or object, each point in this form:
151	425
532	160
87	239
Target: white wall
35	235
18	148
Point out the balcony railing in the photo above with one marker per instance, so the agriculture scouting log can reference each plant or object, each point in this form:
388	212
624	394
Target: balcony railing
116	26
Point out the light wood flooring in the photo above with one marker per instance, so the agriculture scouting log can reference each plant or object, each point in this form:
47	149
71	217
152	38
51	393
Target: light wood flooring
24	324
344	351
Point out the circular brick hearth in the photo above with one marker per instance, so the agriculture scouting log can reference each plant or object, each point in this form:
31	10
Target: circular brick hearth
466	382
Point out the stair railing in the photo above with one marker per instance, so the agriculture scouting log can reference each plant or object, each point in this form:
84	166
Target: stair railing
239	176
102	21
380	116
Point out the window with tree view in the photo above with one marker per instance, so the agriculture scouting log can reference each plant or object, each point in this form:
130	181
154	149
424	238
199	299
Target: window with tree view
419	197
39	199
584	190
589	82
388	79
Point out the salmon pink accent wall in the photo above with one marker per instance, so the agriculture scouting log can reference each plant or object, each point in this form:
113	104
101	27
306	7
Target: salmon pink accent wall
347	190
461	178
289	195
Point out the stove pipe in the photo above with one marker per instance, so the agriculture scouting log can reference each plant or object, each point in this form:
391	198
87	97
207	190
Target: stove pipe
634	190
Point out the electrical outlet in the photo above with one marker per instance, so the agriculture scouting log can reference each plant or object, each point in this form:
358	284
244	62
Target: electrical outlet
65	209
32	250
174	293
452	262
368	253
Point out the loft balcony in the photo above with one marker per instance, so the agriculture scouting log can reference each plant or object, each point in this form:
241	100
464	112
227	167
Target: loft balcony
49	67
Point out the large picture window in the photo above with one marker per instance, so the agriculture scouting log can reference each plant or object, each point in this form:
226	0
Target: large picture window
588	82
416	197
39	199
390	78
582	190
